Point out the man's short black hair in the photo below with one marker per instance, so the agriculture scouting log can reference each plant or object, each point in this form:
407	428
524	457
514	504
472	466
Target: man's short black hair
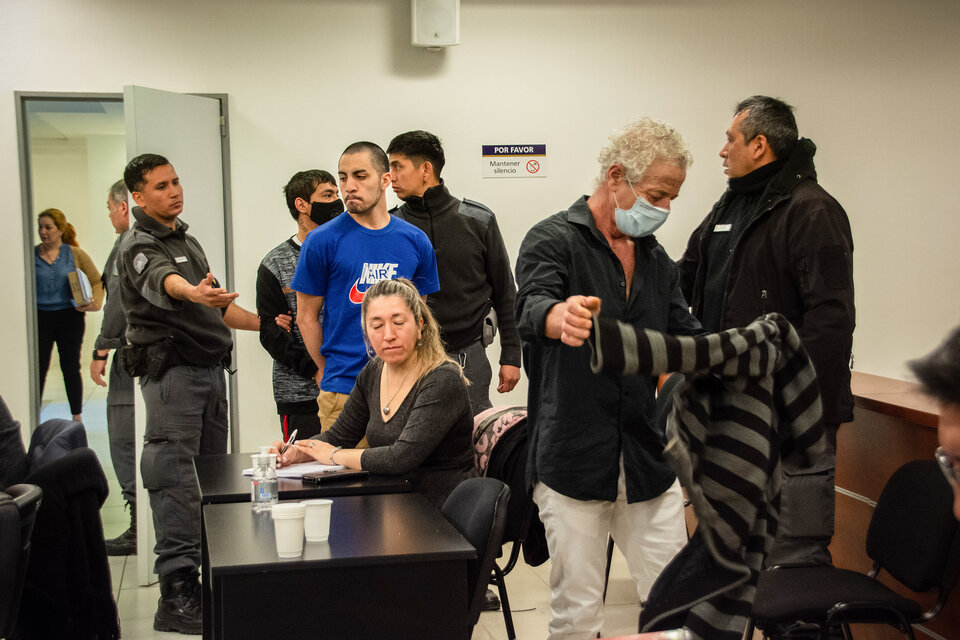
939	370
135	175
772	118
302	185
380	162
419	146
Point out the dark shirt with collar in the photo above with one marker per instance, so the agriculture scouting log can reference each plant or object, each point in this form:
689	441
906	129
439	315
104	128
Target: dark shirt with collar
149	253
583	422
746	193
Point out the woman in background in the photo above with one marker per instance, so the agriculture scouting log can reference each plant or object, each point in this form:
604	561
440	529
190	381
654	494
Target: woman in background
58	318
410	401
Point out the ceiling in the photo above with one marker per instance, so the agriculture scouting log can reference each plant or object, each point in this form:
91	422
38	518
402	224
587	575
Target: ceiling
69	119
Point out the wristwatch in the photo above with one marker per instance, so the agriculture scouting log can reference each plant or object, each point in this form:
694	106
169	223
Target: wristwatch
97	356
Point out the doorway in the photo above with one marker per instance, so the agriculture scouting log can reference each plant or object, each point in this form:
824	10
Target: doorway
73	146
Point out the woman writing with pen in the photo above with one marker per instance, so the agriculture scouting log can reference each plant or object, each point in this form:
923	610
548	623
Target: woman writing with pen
410	401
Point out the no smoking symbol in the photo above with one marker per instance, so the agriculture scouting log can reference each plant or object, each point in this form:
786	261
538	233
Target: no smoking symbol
533	166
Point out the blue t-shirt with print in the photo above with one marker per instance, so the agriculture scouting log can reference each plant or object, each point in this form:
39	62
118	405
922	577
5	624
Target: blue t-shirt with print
340	261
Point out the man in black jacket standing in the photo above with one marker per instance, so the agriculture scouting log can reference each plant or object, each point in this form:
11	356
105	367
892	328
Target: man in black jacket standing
777	241
472	264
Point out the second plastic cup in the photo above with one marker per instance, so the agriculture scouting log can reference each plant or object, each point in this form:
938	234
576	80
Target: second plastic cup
316	523
288	520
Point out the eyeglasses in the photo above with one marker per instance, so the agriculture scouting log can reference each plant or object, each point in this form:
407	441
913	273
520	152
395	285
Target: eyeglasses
950	468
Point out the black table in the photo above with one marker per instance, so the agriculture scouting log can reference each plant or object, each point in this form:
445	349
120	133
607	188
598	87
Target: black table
392	568
221	480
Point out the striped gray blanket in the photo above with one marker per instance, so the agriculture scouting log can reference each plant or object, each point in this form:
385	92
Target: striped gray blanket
750	400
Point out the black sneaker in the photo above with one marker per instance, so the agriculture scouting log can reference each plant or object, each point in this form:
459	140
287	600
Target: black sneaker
124	544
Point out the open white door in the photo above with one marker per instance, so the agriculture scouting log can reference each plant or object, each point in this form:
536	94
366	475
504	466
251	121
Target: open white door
186	129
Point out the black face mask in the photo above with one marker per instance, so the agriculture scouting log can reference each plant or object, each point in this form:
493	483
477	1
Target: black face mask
323	212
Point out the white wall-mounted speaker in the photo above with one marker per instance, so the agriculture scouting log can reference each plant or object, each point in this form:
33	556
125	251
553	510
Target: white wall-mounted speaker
435	23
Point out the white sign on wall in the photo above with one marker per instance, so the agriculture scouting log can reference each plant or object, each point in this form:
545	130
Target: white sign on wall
514	160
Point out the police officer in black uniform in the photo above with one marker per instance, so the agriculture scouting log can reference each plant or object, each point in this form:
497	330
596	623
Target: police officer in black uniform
178	330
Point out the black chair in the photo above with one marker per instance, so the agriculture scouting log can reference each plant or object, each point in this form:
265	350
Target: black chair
477	508
912	535
18	511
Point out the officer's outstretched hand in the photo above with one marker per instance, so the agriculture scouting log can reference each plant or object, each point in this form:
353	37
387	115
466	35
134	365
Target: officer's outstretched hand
577	321
216	297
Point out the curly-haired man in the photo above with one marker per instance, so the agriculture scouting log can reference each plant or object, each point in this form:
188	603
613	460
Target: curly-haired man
596	458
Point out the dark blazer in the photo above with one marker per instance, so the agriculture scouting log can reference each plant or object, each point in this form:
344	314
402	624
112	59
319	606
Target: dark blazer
68	593
795	258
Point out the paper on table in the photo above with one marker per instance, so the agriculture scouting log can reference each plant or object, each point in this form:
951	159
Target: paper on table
297	470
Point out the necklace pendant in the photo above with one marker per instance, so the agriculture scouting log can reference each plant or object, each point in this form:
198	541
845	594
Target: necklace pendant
386	411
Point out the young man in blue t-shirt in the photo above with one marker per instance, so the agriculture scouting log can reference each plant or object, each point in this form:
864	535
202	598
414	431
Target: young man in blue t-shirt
341	260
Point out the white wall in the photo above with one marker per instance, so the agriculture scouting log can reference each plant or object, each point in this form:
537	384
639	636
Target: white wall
876	85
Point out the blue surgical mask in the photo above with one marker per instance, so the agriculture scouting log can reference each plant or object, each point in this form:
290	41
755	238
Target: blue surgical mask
641	219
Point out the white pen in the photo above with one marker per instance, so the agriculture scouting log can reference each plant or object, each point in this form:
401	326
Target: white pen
293	436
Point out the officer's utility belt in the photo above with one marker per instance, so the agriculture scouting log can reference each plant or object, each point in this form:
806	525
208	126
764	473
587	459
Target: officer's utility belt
152	360
155	359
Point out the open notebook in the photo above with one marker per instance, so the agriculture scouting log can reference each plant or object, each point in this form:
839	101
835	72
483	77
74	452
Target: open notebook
297	470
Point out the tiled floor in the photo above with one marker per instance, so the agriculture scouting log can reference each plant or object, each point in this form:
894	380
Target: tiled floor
527	586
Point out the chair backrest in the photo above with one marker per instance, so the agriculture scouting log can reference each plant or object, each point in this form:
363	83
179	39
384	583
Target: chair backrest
477	508
488	427
508	462
913	534
18	511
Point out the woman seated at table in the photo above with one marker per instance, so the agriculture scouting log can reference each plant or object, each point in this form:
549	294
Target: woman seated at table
410	401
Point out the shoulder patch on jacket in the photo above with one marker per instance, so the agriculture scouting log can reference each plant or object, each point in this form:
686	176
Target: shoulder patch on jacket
475	209
139	262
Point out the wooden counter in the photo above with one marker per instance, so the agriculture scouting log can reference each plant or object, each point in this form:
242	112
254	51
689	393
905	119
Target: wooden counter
894	398
893	424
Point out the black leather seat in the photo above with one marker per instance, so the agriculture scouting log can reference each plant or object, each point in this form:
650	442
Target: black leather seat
18	511
913	536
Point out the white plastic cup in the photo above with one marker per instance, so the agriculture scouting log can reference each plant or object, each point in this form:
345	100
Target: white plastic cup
316	524
288	528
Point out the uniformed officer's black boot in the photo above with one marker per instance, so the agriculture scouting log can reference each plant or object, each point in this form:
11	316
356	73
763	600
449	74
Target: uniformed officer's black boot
126	543
179	606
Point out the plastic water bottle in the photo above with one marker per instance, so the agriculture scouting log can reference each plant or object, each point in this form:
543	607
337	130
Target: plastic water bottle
263	488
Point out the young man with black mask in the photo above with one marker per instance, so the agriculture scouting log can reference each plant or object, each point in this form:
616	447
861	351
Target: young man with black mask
313	199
